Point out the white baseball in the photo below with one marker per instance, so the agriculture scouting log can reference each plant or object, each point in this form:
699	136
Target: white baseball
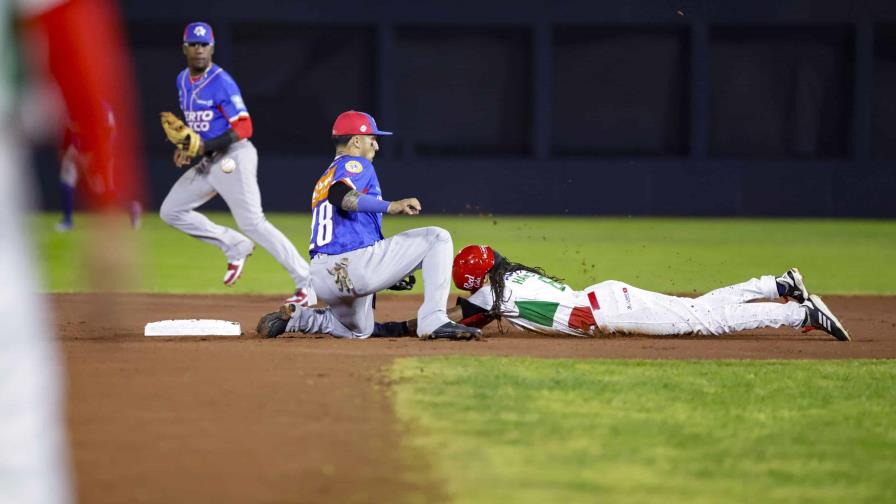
228	165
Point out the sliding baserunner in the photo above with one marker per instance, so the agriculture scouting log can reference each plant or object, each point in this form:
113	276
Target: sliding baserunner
531	299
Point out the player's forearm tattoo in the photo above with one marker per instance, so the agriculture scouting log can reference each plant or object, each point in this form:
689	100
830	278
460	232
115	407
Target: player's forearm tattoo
350	201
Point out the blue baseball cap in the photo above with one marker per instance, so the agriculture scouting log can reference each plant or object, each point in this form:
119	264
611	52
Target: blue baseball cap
199	32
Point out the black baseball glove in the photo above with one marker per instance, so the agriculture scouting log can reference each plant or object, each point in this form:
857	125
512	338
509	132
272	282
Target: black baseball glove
404	284
273	324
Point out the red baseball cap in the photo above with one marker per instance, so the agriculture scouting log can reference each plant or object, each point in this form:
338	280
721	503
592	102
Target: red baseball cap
353	122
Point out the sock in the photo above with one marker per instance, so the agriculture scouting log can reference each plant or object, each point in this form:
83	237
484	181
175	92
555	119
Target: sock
68	202
782	289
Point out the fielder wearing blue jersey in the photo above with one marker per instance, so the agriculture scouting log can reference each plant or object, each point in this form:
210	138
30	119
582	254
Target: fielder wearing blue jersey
350	259
350	230
213	107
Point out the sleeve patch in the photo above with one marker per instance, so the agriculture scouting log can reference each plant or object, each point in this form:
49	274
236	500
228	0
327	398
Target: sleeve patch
238	102
354	167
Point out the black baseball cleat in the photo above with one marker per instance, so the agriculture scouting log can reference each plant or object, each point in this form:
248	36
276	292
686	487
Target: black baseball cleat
453	331
794	288
274	324
819	316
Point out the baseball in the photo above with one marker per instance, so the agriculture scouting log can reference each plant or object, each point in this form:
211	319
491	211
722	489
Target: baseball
228	165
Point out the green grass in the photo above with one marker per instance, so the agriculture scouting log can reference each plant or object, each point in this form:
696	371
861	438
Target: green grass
535	430
661	254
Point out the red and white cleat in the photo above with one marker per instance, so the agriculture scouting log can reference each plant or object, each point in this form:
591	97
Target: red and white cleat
303	297
234	270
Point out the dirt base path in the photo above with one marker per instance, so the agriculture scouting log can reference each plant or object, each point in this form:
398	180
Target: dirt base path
307	419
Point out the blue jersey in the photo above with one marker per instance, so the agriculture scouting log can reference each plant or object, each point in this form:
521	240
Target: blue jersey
333	230
211	103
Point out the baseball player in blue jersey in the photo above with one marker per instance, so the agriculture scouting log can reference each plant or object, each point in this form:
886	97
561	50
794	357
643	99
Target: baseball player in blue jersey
218	133
350	259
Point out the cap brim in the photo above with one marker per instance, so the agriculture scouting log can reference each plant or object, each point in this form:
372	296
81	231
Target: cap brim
383	133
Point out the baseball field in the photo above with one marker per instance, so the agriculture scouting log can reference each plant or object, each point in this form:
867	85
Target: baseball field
763	416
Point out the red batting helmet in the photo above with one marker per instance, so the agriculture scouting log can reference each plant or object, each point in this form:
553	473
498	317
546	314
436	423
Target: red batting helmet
471	265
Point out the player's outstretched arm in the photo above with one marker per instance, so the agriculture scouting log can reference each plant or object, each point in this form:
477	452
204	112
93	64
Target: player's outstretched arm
409	327
344	197
407	206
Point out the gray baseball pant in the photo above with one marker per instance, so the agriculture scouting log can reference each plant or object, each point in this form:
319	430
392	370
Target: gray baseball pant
239	189
375	268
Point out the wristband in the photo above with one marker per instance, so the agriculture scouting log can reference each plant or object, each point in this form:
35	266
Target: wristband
221	141
367	203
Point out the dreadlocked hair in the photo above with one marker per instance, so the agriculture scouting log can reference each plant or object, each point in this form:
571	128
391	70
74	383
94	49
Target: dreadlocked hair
496	277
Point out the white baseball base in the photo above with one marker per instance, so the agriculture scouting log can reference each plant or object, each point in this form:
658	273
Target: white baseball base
192	327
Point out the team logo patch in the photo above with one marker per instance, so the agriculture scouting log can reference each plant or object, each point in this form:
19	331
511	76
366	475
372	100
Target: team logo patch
354	167
628	299
363	128
238	102
199	31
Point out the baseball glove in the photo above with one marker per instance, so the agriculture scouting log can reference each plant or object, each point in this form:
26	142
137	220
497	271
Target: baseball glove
405	284
272	324
180	134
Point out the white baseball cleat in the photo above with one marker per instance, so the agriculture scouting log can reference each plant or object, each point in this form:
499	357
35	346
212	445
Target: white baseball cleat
303	297
819	316
234	270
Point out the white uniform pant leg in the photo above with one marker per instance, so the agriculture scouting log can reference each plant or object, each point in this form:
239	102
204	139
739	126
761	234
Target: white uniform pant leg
34	459
764	287
190	191
240	191
430	249
626	309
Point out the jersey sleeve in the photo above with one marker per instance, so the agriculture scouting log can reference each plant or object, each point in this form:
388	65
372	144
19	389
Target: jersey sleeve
357	173
483	298
180	91
468	309
230	100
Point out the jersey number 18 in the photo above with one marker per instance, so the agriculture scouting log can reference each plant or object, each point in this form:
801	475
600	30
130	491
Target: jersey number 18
322	220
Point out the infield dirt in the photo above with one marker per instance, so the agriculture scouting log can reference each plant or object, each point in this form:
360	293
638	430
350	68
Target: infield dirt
308	418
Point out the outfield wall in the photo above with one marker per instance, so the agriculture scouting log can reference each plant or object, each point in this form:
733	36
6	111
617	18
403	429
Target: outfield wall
583	107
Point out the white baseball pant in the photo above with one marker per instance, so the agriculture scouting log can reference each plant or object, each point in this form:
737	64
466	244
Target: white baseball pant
626	309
